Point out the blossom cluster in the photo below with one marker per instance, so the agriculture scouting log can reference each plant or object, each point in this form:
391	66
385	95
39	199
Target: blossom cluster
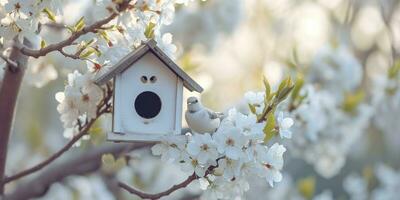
78	103
80	97
22	17
224	159
386	182
333	115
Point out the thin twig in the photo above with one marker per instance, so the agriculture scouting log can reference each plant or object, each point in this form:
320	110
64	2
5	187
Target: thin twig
265	113
144	195
183	184
75	57
67	42
51	158
102	108
77	163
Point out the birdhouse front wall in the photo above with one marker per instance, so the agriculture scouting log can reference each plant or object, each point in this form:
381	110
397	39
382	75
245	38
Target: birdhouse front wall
147	101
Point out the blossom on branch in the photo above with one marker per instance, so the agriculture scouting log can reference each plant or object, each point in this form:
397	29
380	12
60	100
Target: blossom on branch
223	160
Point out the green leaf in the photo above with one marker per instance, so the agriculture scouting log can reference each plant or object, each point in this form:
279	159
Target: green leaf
394	70
110	165
269	131
252	108
90	42
284	93
291	64
306	187
105	36
96	51
87	53
297	87
108	159
42	44
149	32
267	88
285	83
352	100
70	28
50	14
80	24
295	57
120	163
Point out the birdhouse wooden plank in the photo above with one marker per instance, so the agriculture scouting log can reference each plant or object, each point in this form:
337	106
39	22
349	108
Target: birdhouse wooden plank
148	93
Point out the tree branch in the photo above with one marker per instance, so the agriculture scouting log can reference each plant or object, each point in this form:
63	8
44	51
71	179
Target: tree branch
75	57
67	42
9	62
183	184
264	114
9	90
78	164
104	107
144	195
58	46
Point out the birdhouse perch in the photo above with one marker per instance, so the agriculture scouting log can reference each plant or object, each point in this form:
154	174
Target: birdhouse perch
148	88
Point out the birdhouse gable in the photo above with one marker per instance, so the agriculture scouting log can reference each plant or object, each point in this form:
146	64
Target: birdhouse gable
149	46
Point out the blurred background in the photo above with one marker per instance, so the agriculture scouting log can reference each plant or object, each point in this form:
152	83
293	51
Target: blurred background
346	138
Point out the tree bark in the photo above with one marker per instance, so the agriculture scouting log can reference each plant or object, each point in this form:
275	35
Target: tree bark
8	97
78	164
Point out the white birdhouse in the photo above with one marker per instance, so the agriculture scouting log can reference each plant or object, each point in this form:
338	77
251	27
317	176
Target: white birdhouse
148	88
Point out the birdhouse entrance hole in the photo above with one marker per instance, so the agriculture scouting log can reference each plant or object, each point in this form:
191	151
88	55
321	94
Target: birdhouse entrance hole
148	104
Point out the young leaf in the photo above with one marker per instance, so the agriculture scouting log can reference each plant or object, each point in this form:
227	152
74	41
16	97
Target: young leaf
90	42
108	159
306	187
105	36
267	88
284	93
50	14
70	28
96	51
297	86
42	44
120	163
352	100
285	83
80	24
252	108
269	127
394	70
149	32
87	53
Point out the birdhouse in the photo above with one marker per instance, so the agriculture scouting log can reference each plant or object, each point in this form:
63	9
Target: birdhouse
148	88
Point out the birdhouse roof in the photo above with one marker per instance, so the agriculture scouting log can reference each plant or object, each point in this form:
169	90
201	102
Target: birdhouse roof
132	57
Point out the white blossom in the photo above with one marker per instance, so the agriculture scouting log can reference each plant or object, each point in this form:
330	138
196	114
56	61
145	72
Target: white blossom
230	167
165	44
170	149
203	147
68	107
256	99
230	141
273	162
284	125
192	165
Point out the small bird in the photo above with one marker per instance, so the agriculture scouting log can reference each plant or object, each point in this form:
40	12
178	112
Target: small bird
201	119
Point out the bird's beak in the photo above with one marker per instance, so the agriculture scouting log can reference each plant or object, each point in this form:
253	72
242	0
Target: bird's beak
190	103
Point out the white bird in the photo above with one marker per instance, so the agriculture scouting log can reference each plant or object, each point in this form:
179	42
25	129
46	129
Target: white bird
201	119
